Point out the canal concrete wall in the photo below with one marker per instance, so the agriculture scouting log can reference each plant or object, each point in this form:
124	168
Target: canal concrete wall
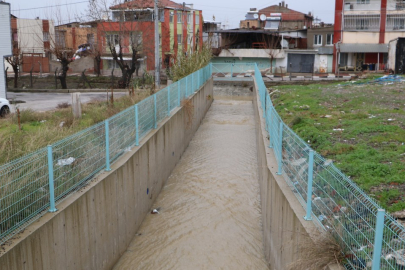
94	226
285	232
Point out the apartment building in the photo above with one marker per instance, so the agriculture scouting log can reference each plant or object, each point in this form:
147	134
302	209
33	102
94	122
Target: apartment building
180	31
74	34
31	38
363	28
320	38
277	18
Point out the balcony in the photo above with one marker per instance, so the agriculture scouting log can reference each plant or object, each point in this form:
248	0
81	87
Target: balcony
362	23
395	22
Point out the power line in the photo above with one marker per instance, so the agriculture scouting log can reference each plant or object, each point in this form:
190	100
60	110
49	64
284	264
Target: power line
50	6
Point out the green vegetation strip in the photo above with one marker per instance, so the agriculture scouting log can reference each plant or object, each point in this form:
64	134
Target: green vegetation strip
39	129
361	127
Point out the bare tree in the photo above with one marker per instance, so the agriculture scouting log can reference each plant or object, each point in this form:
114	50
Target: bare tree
272	44
64	56
126	35
15	62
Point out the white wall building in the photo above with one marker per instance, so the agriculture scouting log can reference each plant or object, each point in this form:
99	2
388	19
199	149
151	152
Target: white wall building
5	43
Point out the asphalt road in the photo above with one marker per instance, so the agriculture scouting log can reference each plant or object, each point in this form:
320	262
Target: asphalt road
49	101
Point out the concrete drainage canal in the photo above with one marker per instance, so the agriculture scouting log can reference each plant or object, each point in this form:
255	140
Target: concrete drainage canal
208	214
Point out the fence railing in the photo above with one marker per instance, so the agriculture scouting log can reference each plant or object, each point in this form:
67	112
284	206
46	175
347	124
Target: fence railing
35	183
370	238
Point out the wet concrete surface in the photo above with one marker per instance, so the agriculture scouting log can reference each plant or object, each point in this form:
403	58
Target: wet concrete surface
209	210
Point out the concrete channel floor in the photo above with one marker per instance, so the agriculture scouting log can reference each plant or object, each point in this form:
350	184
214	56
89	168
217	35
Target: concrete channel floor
209	210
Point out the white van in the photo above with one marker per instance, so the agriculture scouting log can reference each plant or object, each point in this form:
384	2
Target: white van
4	107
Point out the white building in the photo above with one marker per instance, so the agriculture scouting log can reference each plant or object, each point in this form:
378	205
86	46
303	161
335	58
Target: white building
5	43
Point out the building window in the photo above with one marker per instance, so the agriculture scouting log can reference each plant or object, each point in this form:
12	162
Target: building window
112	64
317	40
189	16
179	17
136	39
46	36
395	22
329	39
113	40
344	57
197	19
90	39
60	39
179	39
171	16
363	2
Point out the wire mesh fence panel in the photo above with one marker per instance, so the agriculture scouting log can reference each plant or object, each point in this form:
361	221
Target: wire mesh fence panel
77	158
195	81
295	162
122	132
161	104
183	88
189	84
174	97
338	204
24	192
25	183
146	116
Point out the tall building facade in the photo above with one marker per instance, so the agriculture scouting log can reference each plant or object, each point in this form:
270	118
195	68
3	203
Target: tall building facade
363	29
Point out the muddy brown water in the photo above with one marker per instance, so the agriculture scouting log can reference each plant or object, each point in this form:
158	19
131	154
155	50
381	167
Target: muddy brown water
210	216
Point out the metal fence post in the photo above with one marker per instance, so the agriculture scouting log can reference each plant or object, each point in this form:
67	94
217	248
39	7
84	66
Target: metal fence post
309	190
136	126
168	101
155	109
178	94
280	154
379	230
52	207
107	146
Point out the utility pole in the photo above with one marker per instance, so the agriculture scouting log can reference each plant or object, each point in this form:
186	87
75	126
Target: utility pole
157	49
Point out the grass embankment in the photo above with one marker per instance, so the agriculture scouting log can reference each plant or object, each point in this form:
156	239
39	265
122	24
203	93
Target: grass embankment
39	129
361	127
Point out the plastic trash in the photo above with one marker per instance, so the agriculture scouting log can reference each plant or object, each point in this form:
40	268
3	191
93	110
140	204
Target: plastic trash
66	162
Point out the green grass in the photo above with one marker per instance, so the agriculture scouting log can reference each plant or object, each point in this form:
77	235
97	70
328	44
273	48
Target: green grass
369	148
39	129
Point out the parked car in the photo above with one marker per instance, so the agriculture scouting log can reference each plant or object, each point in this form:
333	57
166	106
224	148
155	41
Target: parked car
4	107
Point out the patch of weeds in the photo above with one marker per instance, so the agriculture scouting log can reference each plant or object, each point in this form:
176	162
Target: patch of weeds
359	126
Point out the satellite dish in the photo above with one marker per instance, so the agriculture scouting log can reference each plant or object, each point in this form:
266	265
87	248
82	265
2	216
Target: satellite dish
263	17
256	16
284	43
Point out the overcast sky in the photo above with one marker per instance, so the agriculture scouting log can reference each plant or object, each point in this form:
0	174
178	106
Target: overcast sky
231	11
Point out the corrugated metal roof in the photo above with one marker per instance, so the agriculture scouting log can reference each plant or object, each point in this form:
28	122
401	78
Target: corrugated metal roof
325	50
363	48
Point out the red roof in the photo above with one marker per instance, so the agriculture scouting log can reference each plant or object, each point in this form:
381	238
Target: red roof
286	13
139	4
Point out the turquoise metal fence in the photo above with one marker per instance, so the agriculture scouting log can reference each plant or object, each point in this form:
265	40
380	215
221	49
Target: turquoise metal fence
371	238
35	183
